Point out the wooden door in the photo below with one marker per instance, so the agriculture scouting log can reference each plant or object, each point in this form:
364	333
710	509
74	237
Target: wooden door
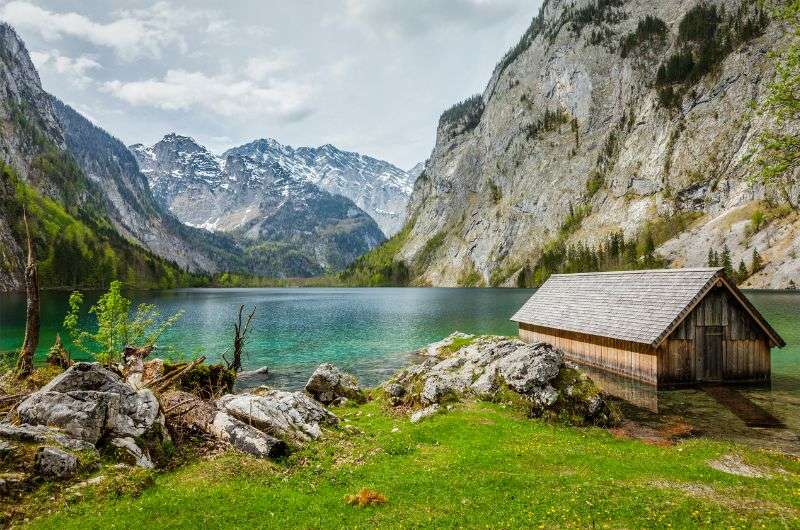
711	353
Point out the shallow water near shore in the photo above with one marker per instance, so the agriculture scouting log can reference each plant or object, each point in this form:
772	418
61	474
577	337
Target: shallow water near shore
374	332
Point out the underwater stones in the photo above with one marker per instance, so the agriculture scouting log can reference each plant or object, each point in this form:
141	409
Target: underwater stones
328	384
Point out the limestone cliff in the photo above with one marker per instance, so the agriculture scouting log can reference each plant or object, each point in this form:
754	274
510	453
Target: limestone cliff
609	116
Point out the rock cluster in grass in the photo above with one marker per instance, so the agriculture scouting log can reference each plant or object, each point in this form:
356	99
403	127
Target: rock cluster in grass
533	376
329	385
61	429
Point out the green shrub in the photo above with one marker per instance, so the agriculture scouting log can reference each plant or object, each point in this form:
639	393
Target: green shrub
116	327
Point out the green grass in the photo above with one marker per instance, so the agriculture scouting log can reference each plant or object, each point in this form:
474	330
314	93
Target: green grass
479	465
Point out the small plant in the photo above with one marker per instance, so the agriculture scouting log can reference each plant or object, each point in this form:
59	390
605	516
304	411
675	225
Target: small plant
116	327
496	194
756	221
365	497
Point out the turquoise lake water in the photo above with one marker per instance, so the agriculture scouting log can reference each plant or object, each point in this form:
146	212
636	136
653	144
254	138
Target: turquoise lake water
366	331
373	332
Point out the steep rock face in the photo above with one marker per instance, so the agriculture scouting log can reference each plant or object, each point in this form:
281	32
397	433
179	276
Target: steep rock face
135	214
578	114
289	224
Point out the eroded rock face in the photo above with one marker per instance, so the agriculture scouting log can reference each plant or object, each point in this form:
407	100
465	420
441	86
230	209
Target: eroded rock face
80	414
489	366
290	415
53	463
328	385
246	438
86	404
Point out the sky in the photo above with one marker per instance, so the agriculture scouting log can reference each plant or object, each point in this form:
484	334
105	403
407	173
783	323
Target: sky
370	76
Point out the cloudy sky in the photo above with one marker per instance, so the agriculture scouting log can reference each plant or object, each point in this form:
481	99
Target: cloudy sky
366	75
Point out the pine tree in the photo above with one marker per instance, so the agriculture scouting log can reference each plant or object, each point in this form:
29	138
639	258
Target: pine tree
757	264
713	261
727	264
741	274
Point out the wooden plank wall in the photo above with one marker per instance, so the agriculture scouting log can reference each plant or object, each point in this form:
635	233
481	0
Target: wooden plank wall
745	355
629	359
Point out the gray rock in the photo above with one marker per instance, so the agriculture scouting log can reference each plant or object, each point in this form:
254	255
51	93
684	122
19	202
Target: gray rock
11	483
246	438
23	433
427	412
289	415
395	390
80	414
140	458
328	384
54	463
88	402
441	386
482	367
530	367
87	376
6	449
251	378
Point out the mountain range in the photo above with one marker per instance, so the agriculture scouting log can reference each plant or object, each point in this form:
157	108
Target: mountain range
260	209
614	134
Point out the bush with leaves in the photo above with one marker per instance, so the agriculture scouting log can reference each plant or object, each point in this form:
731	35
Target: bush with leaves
116	325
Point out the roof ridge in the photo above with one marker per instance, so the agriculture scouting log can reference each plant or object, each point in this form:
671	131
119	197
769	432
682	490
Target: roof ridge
641	271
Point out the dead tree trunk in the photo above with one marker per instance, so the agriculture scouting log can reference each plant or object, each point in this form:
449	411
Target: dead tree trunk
239	340
32	317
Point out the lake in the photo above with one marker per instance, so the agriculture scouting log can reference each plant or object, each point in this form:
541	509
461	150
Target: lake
366	331
373	332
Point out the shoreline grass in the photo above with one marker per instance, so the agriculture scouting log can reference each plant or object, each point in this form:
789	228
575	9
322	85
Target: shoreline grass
478	465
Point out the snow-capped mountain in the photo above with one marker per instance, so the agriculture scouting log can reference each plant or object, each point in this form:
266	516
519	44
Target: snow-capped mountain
181	171
280	216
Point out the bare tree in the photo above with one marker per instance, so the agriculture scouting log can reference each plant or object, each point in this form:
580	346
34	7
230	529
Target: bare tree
239	340
32	317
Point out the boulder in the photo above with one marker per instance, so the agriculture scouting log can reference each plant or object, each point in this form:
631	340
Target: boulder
53	463
435	349
329	384
87	376
251	378
489	366
292	416
427	412
88	402
80	414
246	438
138	456
530	367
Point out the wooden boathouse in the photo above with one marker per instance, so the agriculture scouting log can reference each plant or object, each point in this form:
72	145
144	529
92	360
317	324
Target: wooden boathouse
668	327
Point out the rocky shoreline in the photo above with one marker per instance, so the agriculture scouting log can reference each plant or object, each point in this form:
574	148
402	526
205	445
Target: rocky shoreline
90	415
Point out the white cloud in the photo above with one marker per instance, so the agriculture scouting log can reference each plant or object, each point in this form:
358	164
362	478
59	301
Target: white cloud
131	33
76	70
397	18
224	95
259	68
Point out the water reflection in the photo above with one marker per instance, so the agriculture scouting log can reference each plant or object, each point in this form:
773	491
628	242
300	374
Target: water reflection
709	415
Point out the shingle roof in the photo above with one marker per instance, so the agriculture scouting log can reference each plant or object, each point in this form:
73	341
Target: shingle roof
636	306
